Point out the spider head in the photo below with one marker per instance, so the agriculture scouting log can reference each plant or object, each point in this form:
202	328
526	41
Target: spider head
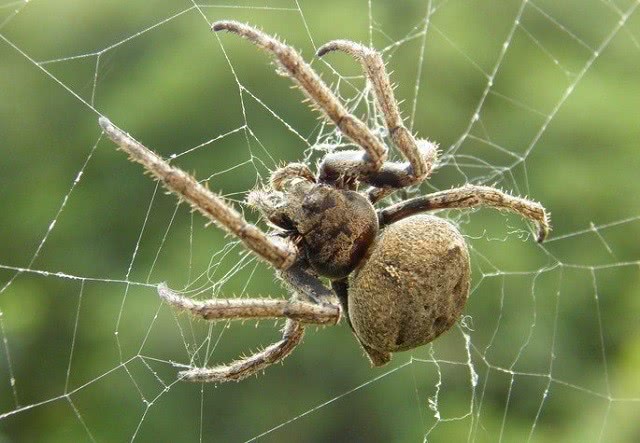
336	226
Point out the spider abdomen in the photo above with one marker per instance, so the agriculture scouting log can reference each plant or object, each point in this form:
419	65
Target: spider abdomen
413	287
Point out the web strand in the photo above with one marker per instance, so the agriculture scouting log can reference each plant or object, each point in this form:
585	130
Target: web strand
471	381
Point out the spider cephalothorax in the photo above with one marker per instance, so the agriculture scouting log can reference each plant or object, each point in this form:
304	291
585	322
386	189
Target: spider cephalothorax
335	227
401	277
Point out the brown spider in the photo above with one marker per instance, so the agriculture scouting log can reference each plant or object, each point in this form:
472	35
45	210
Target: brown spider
401	278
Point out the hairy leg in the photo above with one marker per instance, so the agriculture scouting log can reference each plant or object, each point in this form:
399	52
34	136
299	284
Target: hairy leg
273	250
252	308
309	304
420	154
240	369
469	196
390	176
281	176
313	86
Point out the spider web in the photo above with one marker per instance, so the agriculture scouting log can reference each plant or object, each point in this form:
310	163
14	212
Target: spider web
534	97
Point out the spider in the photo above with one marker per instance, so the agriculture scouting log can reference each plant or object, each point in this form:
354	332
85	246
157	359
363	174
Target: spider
398	276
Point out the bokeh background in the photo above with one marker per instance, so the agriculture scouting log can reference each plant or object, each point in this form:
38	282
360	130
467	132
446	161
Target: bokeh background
549	350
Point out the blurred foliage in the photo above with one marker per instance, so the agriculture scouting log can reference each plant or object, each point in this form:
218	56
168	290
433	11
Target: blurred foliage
554	329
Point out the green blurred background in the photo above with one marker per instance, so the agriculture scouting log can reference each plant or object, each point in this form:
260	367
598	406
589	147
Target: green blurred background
554	330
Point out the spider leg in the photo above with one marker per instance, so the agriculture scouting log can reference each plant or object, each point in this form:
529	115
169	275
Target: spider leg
319	93
469	196
240	369
281	176
420	154
252	308
279	253
315	309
